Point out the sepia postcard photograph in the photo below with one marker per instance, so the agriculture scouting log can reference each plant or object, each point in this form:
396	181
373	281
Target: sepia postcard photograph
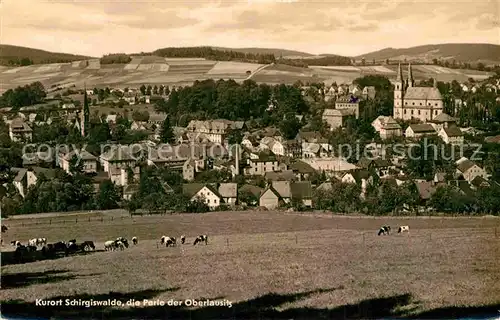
250	159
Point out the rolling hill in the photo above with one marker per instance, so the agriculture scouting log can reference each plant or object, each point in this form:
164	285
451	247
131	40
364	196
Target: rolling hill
276	52
36	56
463	52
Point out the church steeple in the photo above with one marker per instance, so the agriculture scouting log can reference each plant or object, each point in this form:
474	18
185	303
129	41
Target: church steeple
400	74
85	115
410	76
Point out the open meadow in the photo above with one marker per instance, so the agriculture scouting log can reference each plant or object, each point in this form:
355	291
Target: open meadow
267	264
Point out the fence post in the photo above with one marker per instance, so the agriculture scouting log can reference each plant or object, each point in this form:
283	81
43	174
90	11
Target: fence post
227	242
111	218
363	238
296	239
102	219
89	219
76	220
50	221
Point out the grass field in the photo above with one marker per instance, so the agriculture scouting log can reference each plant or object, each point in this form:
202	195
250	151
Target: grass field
269	265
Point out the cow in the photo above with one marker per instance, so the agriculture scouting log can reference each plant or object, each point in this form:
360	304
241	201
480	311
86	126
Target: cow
202	238
15	243
4	229
88	245
110	245
135	241
403	229
31	248
123	241
170	242
183	239
32	242
41	241
384	230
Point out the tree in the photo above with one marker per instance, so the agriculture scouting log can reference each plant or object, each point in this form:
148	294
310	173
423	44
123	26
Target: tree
155	90
108	196
167	133
290	127
143	89
148	90
75	165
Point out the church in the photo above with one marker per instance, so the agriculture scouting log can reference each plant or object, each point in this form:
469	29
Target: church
411	102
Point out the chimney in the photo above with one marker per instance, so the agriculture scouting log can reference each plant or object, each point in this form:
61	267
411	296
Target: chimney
237	159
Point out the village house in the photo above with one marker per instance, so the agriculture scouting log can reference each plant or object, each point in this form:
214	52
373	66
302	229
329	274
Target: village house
330	165
380	166
442	120
118	157
336	118
279	193
25	178
359	177
266	162
314	150
387	127
350	103
369	92
39	158
203	192
249	194
416	131
20	131
156	118
229	193
87	160
469	170
451	135
215	130
302	170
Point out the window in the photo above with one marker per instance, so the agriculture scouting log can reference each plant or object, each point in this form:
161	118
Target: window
413	103
418	112
436	104
405	111
215	201
208	200
411	112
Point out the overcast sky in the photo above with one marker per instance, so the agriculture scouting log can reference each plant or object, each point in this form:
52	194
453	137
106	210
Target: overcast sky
344	27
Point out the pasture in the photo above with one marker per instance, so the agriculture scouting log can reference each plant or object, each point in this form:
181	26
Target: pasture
183	71
267	264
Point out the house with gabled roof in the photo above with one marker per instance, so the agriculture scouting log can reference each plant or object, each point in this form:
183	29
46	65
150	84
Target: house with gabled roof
387	127
89	161
252	190
20	130
266	162
25	178
419	130
229	193
279	193
442	120
451	135
204	192
469	170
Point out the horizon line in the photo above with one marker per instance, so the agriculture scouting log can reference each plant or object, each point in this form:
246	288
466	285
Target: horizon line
264	48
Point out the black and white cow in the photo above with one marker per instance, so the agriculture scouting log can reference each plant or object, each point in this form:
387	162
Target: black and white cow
88	245
123	241
4	229
403	229
202	238
183	239
135	241
15	243
168	241
384	230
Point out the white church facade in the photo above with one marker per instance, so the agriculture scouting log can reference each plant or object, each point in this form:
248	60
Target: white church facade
411	102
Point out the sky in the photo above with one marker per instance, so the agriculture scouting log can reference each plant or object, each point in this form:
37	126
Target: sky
344	27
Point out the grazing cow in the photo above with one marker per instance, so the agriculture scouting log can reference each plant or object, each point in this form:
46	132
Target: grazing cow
403	229
74	248
170	242
88	245
41	241
119	245
202	238
32	242
15	243
183	239
31	248
4	229
384	230
110	245
123	240
71	241
135	241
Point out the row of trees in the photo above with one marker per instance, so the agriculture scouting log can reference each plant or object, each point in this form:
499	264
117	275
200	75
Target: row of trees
387	198
23	96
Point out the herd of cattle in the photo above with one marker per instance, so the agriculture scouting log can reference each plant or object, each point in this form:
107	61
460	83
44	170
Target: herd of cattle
72	247
387	229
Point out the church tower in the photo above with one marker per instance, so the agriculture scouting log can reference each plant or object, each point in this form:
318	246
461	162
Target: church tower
411	82
398	94
85	115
